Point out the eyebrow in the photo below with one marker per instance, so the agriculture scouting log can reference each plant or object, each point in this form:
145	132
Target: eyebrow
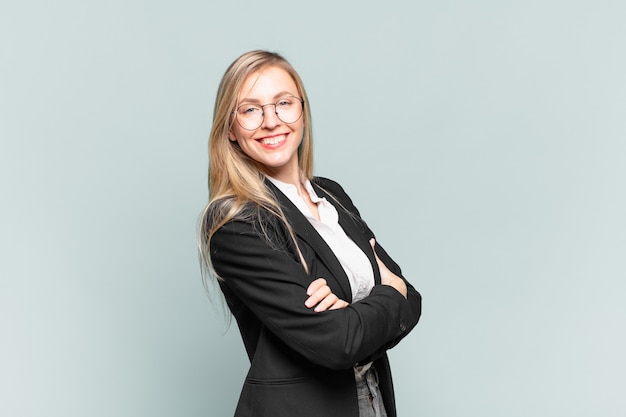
276	97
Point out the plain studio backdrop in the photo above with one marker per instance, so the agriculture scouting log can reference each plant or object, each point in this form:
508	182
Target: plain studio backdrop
484	143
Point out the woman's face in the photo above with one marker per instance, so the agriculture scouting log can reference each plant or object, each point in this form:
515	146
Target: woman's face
274	144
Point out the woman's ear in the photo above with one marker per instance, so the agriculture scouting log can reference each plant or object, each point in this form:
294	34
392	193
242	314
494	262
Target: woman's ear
231	136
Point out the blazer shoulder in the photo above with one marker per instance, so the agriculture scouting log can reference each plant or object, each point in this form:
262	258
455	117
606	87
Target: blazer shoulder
326	183
336	191
332	187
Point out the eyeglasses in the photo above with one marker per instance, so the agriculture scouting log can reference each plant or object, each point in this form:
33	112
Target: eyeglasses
288	109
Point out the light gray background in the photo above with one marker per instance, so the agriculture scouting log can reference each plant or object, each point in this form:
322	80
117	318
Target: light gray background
483	141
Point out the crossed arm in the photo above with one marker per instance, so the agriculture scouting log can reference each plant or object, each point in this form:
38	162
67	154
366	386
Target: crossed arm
321	298
269	285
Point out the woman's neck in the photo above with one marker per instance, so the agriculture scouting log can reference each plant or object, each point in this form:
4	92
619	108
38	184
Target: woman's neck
288	176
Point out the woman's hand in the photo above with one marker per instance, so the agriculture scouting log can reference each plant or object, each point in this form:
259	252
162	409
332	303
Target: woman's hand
322	298
386	276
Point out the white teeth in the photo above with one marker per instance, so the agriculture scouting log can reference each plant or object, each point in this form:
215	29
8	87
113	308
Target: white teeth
273	140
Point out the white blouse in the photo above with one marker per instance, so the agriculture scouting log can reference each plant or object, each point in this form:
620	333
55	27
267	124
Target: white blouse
354	262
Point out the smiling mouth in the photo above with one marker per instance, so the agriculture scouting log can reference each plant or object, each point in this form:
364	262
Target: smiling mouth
274	140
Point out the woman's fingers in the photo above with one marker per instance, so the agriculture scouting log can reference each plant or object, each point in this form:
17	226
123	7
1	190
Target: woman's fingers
326	303
322	298
317	291
330	302
339	304
315	285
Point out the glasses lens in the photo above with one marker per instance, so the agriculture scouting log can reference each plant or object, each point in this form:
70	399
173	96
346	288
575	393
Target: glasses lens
288	110
249	116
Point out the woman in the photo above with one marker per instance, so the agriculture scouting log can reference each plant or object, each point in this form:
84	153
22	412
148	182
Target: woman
318	302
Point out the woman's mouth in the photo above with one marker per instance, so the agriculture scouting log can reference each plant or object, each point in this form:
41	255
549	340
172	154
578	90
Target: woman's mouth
273	140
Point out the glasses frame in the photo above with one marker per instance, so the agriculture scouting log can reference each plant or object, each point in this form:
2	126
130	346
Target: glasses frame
235	113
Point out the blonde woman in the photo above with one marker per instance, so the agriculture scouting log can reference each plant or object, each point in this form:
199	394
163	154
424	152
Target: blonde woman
318	302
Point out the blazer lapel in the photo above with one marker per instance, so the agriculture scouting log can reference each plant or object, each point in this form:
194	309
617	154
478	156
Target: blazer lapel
307	232
354	227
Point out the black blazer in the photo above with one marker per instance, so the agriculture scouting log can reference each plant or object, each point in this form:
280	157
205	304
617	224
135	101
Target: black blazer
302	361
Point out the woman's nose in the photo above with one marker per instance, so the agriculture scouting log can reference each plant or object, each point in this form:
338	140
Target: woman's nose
270	117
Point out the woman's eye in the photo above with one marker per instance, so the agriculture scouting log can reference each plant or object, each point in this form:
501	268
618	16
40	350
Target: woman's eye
283	103
249	110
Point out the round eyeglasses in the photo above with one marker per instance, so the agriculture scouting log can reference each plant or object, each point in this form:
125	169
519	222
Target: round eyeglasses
288	109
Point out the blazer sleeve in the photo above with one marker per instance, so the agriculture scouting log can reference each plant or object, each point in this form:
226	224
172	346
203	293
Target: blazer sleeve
414	298
269	281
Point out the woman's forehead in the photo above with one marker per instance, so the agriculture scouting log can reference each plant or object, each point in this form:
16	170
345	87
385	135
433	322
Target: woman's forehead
267	83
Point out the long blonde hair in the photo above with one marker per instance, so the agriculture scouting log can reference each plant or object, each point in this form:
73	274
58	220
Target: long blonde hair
235	181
